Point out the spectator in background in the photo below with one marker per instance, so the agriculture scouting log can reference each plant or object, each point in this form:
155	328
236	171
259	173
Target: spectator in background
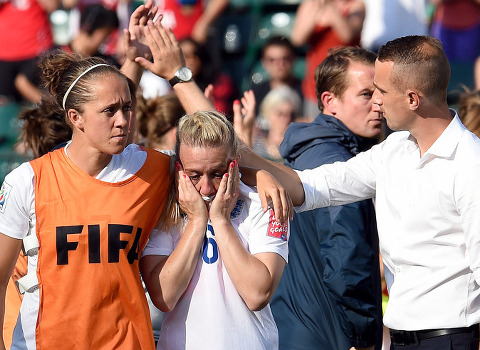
157	121
278	55
96	23
457	25
469	110
25	35
279	108
122	9
329	296
322	25
190	18
244	117
206	72
476	73
389	19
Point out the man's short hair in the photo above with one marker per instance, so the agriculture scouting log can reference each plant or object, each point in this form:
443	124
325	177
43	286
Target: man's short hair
278	41
419	62
331	73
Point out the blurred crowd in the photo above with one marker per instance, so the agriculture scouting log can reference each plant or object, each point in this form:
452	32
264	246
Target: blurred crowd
232	47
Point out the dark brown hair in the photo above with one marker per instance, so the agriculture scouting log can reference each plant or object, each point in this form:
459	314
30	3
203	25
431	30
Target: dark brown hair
331	73
43	128
59	71
419	62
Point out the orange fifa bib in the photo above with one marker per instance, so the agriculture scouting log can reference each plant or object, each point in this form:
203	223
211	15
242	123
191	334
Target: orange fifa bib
91	234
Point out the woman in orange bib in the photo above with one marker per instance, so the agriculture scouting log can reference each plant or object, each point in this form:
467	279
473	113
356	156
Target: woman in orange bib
83	213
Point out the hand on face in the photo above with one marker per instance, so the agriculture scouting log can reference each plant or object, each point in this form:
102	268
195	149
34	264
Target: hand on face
227	194
189	199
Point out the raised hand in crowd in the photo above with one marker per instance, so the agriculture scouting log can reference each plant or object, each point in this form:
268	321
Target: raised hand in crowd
244	117
134	42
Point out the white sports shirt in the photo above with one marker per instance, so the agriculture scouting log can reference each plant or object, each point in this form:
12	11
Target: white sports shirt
211	314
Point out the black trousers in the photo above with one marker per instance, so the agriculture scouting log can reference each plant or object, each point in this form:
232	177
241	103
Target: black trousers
461	341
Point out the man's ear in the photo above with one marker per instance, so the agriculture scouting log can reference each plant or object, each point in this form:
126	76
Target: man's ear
75	118
329	100
413	99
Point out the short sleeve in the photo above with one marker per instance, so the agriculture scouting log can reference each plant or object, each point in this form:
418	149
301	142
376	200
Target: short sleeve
160	243
267	235
17	202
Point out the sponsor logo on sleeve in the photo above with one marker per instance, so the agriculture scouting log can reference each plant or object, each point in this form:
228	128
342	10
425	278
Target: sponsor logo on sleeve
4	192
275	228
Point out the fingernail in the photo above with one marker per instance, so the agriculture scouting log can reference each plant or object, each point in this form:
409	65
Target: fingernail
184	175
226	175
177	165
236	102
232	164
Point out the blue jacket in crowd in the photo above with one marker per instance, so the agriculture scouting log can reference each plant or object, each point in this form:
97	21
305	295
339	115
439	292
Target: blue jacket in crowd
329	296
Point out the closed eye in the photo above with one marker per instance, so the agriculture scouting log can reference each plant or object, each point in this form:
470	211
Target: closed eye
194	178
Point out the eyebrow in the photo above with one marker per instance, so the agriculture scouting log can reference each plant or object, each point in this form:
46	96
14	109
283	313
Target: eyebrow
378	88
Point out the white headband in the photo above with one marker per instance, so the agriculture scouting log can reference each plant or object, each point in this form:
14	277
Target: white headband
78	78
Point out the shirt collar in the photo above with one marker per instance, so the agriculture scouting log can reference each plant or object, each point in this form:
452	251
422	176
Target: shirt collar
445	145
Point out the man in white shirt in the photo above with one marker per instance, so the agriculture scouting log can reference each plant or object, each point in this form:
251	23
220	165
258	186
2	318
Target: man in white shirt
425	181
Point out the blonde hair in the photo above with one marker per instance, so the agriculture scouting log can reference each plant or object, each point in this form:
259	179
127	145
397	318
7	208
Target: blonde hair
275	97
201	129
469	110
207	129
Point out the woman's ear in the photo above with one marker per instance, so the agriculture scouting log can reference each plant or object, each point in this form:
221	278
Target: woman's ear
75	118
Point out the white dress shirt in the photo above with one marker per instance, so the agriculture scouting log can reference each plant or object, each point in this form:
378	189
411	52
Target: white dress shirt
428	216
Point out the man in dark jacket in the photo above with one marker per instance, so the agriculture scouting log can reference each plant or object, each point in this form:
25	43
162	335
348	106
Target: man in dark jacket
329	296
